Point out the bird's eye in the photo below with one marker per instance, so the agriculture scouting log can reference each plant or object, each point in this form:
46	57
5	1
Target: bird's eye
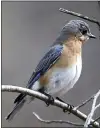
84	32
83	29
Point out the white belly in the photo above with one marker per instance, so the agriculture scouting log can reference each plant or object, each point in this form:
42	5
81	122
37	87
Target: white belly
62	80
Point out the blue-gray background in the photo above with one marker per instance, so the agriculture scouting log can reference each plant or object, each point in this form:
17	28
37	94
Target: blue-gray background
28	29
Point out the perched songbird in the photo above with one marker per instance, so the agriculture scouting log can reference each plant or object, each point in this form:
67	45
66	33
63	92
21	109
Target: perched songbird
60	68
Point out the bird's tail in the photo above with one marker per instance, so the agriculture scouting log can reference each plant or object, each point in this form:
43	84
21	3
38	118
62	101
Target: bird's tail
19	102
17	108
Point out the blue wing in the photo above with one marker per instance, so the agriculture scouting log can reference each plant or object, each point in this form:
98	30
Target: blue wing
46	62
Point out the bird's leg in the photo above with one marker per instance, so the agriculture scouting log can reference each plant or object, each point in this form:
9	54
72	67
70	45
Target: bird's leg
69	106
50	99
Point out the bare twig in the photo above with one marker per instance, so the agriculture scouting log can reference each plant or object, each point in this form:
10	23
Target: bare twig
80	15
85	102
40	96
98	106
88	120
56	121
97	119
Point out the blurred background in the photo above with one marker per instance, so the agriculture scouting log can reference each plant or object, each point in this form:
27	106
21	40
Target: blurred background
28	29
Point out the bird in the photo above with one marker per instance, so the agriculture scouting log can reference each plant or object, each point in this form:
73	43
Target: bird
60	68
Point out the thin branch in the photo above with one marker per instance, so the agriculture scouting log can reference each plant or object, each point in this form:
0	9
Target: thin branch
88	121
10	88
97	119
56	121
84	103
80	15
98	106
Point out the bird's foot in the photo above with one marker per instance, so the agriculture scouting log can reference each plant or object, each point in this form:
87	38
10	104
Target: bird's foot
69	106
50	99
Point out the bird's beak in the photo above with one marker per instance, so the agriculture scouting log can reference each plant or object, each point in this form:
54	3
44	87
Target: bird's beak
91	35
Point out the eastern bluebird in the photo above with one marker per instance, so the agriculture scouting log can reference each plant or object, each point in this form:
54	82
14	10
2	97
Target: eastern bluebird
60	68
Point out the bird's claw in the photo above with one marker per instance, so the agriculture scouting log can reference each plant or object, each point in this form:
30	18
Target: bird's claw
70	109
50	100
69	106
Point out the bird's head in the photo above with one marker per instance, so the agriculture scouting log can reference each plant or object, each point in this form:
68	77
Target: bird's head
79	29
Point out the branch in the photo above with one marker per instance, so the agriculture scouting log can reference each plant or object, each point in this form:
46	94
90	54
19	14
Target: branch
97	119
80	15
97	106
94	107
10	88
85	102
56	121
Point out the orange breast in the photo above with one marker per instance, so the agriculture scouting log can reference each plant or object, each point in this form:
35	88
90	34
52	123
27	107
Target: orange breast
67	59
